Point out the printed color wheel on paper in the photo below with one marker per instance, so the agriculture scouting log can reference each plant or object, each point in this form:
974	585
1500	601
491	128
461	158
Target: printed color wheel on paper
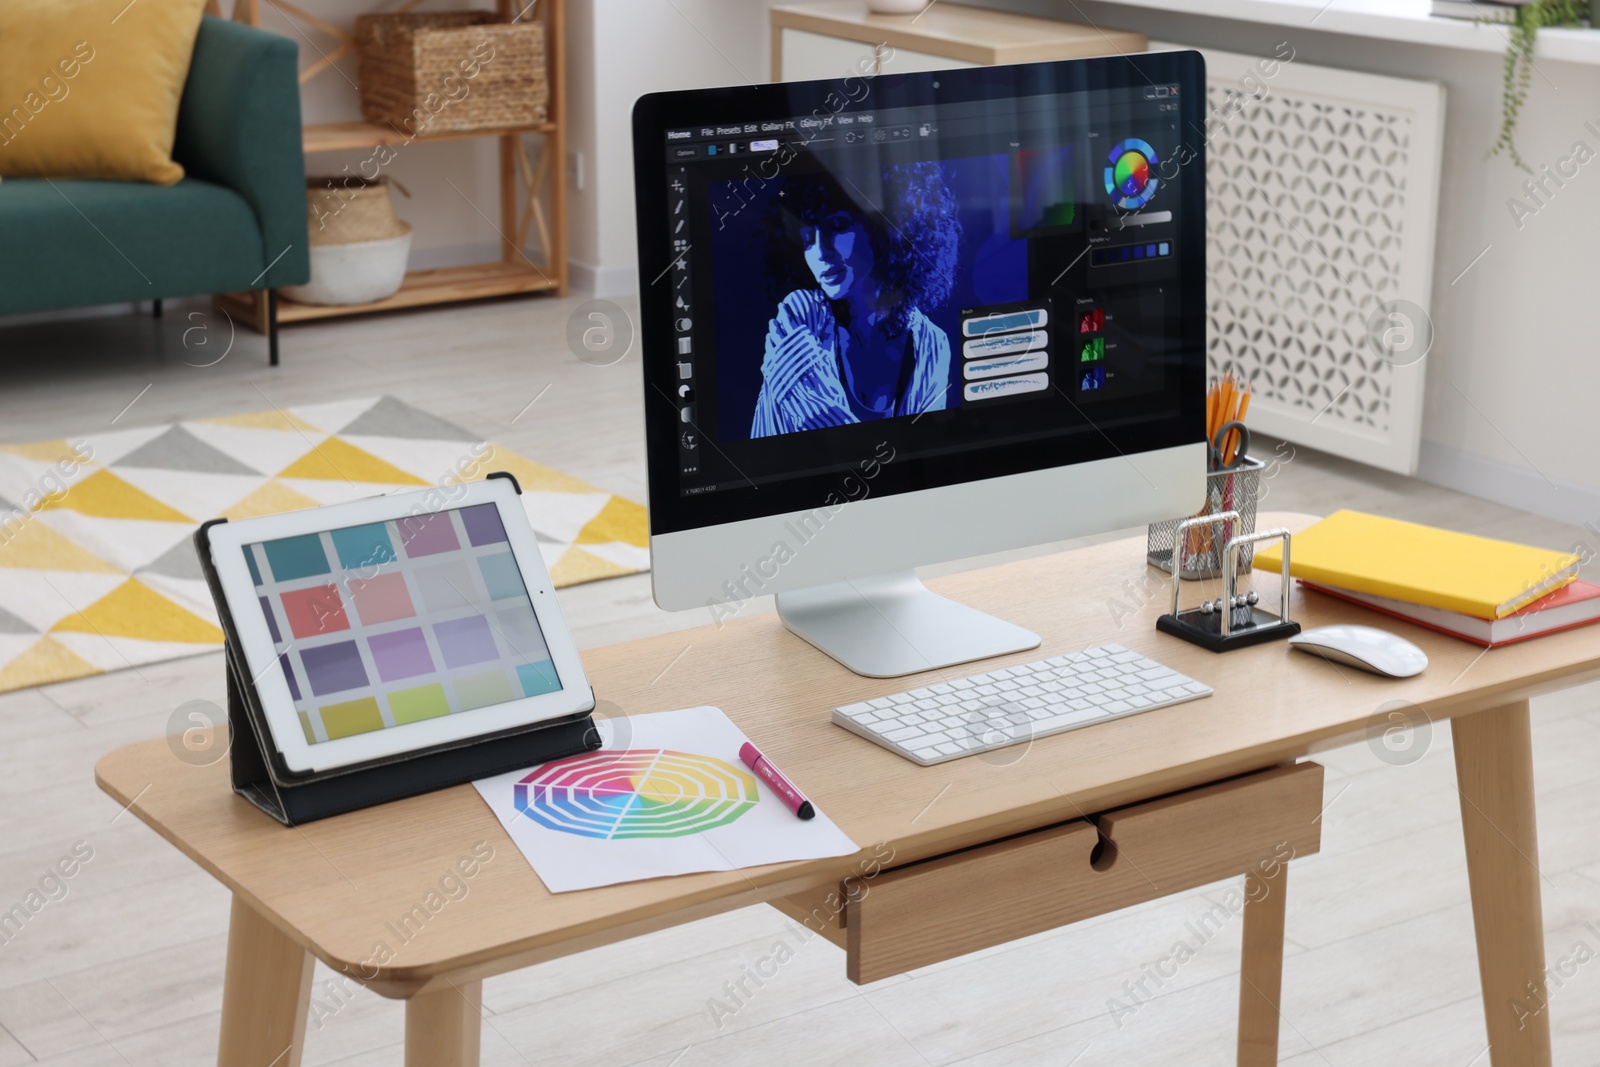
636	793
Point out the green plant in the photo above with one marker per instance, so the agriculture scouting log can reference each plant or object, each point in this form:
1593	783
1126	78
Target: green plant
1524	24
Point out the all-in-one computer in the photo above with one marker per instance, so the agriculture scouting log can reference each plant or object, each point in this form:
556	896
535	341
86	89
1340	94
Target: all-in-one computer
892	321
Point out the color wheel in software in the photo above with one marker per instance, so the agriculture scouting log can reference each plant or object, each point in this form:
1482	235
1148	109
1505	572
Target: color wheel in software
636	793
1129	181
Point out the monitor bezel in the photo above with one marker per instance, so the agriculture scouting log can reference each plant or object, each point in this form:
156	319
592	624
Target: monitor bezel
655	113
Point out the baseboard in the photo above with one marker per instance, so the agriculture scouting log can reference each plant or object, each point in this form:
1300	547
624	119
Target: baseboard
1514	487
603	282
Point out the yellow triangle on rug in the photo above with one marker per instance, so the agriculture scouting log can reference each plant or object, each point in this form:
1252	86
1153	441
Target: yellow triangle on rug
578	566
339	461
532	477
107	496
133	609
36	547
46	662
263	420
274	498
620	520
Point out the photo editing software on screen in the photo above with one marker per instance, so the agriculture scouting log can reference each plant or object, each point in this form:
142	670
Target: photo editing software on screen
942	277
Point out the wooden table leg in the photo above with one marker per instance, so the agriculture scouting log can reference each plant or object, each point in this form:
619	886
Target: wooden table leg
443	1028
1261	967
266	993
1494	770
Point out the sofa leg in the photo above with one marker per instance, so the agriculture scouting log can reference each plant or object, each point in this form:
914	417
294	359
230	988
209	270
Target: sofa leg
155	308
272	327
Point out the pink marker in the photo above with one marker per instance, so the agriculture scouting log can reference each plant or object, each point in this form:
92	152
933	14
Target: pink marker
780	785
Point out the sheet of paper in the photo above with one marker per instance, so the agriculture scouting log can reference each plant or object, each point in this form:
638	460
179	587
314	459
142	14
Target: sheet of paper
665	794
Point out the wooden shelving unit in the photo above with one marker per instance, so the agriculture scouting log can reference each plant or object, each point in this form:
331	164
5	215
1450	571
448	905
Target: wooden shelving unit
446	285
533	194
337	136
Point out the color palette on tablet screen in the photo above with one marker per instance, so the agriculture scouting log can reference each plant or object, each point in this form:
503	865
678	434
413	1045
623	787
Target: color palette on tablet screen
396	622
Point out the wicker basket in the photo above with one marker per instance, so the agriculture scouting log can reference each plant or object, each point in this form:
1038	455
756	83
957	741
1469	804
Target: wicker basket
344	209
435	72
358	248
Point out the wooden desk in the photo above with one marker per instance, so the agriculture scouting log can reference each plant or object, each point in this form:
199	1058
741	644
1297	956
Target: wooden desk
331	888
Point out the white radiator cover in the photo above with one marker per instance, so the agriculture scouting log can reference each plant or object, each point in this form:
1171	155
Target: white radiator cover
1322	201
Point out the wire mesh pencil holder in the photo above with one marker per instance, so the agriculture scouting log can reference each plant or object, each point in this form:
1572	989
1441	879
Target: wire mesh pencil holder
1200	552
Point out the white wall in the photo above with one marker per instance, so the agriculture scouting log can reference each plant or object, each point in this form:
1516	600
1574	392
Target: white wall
619	50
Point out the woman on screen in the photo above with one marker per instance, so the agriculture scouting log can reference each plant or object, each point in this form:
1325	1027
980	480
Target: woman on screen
851	342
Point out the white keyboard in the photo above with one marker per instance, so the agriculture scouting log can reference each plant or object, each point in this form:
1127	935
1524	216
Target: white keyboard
1012	705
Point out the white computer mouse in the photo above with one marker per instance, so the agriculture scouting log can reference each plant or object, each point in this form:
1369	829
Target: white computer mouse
1366	647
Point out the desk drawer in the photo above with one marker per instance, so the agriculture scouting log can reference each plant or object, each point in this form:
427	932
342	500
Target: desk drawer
951	905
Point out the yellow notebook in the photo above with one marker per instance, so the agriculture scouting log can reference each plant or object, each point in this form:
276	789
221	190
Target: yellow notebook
1422	565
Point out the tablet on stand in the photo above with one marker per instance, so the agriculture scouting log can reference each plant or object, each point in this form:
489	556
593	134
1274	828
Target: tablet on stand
390	646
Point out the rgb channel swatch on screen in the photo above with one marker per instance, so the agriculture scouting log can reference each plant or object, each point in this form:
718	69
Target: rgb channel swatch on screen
395	622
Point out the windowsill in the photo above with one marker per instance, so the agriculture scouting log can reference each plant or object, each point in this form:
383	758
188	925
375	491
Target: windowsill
1405	21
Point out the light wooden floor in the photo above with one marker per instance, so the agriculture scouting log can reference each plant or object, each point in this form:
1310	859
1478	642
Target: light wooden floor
126	968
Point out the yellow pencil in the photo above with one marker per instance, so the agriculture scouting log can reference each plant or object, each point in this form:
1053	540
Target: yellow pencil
1233	437
1224	403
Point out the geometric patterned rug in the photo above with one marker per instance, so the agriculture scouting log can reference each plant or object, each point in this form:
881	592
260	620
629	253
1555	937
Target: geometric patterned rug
97	570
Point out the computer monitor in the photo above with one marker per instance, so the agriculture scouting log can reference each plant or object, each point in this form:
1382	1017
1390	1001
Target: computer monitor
897	320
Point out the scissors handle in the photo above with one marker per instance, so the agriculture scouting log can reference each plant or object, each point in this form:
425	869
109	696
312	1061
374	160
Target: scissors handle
1220	440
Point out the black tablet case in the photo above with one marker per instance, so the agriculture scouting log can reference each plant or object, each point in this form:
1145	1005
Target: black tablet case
261	777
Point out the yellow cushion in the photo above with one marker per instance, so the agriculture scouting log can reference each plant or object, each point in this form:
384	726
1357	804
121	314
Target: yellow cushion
90	88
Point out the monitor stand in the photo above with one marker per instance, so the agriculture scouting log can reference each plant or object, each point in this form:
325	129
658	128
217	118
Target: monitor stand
890	625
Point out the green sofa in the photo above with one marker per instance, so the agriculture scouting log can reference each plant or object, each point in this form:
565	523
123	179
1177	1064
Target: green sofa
236	221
